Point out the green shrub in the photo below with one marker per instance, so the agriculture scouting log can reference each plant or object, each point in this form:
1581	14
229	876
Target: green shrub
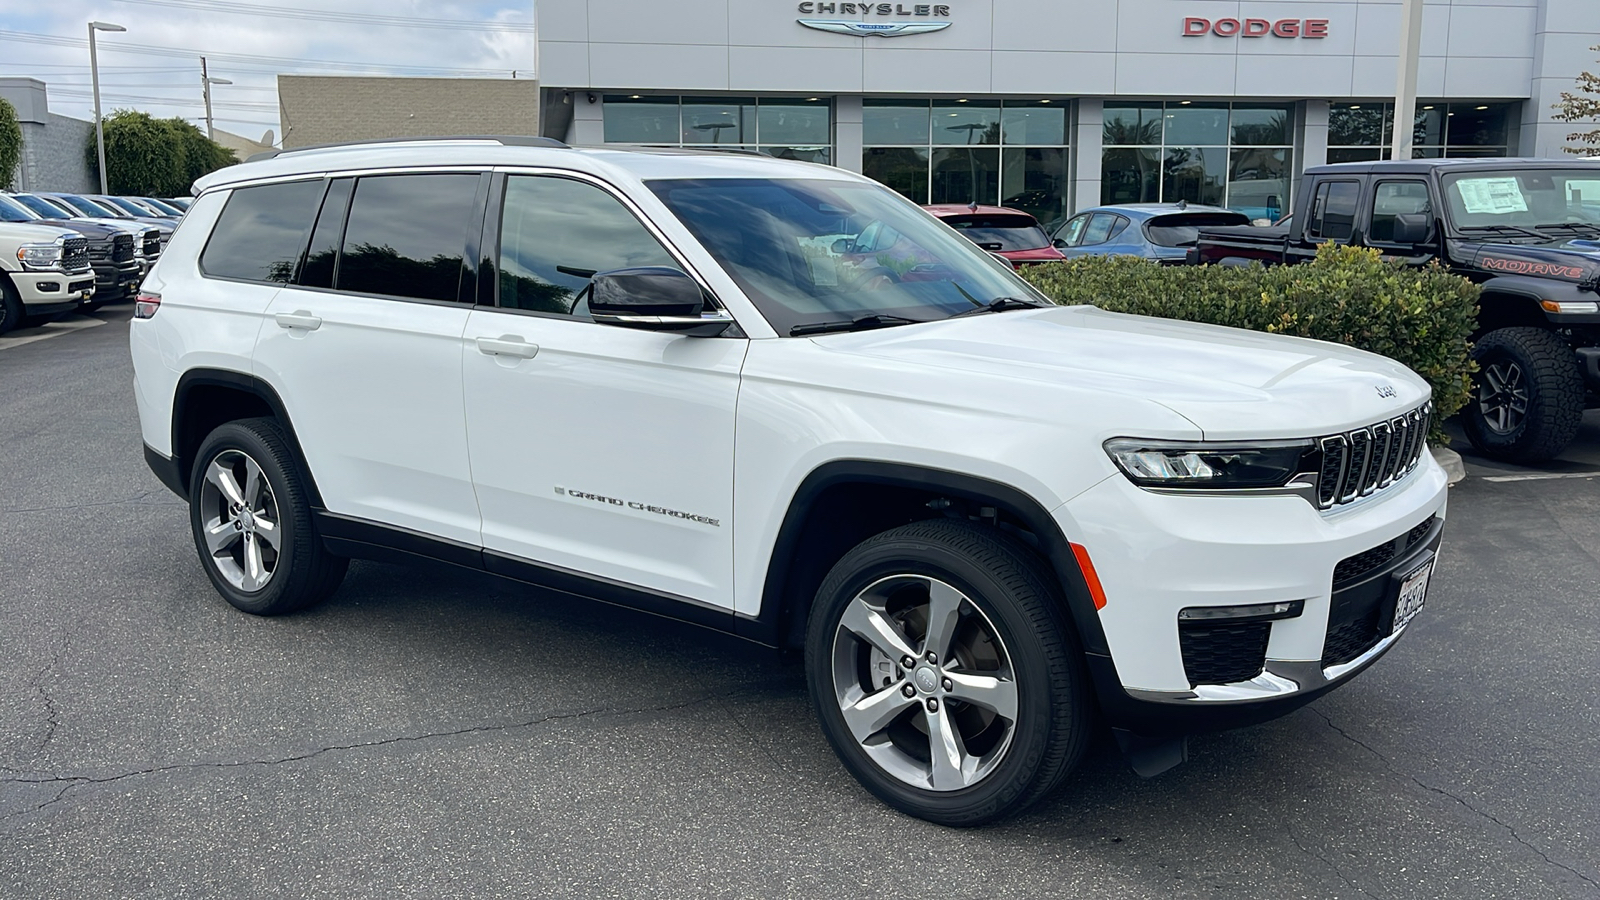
10	144
1349	295
146	156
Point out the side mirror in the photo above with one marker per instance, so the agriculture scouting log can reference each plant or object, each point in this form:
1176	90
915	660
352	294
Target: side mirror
655	298
1006	262
1059	244
1411	228
842	246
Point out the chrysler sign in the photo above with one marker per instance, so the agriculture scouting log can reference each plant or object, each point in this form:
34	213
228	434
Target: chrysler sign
865	26
1194	26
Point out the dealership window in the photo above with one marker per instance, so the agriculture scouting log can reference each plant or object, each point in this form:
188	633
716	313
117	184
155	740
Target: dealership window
786	127
1360	132
1237	155
1011	153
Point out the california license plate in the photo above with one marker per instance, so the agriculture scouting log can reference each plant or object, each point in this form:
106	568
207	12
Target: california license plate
1413	591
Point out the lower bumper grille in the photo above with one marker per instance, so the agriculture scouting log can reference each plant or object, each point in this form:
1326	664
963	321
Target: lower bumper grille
1360	614
1223	654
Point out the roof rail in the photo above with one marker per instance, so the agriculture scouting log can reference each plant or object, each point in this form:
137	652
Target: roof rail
508	140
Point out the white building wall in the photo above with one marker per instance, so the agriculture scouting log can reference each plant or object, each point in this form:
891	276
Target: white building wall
1564	32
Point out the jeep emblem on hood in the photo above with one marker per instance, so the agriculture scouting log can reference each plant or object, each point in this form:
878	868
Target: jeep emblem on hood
1385	391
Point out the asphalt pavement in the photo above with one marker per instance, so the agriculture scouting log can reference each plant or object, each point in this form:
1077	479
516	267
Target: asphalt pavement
438	733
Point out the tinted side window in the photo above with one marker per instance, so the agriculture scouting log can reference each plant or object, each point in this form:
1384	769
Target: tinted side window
317	270
1333	210
406	236
1396	198
556	233
1118	228
1099	230
1072	231
261	232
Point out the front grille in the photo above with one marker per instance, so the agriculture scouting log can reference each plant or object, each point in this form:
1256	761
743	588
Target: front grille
1223	654
121	248
75	254
1359	463
100	252
152	245
1354	636
1352	567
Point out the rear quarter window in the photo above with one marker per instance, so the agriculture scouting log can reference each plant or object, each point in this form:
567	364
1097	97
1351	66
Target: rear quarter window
262	231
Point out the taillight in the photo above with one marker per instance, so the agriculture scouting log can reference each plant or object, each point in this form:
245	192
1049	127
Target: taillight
145	307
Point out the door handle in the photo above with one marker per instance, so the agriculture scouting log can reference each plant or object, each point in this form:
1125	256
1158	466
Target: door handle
507	345
299	319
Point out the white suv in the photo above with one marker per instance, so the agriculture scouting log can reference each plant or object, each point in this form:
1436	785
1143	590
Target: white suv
777	399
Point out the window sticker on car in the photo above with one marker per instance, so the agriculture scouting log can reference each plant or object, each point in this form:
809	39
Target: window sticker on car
1492	195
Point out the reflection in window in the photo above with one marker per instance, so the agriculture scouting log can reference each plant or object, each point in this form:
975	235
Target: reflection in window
972	122
555	233
261	231
1034	180
719	121
965	175
1439	129
641	120
405	236
1218	154
903	169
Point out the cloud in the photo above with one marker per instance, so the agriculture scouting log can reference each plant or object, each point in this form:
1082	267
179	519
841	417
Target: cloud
249	50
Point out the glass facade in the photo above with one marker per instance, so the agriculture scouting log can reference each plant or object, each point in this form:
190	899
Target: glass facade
1358	132
1237	155
1008	153
786	127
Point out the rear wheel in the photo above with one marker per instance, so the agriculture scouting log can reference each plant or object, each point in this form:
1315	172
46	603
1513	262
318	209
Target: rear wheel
1528	395
944	673
251	519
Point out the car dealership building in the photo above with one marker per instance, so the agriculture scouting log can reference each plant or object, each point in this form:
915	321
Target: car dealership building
1058	105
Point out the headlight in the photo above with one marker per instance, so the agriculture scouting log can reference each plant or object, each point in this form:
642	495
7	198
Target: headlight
40	256
1201	465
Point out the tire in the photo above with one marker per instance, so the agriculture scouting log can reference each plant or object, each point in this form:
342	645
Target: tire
251	460
1008	619
1527	397
11	312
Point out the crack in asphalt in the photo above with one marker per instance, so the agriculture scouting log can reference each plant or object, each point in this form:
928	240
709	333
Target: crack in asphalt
68	782
1325	861
50	712
104	503
1468	806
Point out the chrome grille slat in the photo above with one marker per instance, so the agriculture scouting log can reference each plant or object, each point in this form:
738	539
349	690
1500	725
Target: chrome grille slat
1364	461
75	254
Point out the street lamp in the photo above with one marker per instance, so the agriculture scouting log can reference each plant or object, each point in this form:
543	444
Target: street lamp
206	81
94	75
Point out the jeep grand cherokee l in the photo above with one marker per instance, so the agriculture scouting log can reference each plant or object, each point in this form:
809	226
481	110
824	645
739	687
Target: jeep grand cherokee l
650	377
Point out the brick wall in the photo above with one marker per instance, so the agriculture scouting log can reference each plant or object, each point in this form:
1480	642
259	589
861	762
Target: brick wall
322	109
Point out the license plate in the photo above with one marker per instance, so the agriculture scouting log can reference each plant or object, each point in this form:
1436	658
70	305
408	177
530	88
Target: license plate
1413	591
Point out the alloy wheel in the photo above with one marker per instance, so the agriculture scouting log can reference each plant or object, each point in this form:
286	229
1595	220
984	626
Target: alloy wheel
924	682
240	521
1503	396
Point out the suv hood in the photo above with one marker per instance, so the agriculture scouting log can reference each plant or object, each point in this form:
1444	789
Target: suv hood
1232	384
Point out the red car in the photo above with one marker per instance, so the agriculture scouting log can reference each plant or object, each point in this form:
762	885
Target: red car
1010	233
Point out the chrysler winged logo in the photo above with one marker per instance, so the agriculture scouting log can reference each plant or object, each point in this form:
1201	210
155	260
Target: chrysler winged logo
881	29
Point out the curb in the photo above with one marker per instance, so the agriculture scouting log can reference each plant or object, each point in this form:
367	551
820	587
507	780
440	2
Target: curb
1450	461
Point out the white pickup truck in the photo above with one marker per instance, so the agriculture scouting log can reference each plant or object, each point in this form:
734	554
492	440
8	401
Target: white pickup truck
44	271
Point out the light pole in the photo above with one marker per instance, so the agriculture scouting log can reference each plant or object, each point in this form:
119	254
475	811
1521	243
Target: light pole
206	81
94	75
1405	90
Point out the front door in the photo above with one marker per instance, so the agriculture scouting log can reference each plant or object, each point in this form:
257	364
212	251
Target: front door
596	449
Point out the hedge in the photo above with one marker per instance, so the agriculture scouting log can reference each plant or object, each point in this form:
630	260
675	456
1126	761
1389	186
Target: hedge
10	144
1422	317
146	156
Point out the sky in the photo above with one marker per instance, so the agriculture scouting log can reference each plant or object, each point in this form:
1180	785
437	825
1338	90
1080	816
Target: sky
155	66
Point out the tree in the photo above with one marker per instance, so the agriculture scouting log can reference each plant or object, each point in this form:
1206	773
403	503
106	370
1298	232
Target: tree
154	157
1583	106
10	144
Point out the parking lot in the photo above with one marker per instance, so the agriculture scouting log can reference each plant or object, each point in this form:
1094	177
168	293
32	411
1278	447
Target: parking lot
433	732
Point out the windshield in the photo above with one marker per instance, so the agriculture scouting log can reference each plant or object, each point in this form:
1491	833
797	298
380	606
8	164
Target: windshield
161	208
1525	198
808	252
87	207
125	206
43	207
12	211
1000	232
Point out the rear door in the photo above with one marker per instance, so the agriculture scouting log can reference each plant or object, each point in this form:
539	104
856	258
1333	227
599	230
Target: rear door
365	350
1331	216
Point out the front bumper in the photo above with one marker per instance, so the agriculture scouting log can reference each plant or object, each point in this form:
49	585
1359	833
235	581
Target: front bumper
1158	554
115	281
44	293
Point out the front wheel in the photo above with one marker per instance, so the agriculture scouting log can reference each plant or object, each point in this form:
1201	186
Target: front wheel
944	672
251	517
1527	398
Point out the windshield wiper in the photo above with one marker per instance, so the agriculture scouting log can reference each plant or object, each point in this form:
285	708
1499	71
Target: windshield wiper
999	304
1581	227
860	323
1507	229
